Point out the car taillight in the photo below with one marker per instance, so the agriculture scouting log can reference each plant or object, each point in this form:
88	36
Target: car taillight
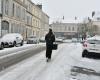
84	45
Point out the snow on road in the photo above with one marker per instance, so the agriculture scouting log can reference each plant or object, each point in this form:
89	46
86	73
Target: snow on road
24	46
6	51
36	67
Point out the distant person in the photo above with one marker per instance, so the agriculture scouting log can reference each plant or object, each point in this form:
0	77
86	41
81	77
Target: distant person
84	37
49	38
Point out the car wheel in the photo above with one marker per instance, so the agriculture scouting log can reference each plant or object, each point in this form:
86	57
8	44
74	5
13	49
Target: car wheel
14	43
84	53
2	46
21	44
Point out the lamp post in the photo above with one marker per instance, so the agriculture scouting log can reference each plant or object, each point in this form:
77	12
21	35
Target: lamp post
1	10
0	25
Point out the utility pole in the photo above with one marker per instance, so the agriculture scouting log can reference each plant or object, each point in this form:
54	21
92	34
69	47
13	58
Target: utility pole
1	11
77	34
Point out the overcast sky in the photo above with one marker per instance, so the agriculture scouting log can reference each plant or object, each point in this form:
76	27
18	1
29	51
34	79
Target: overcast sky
56	9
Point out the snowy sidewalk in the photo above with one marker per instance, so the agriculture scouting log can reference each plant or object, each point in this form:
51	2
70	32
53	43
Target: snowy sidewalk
36	67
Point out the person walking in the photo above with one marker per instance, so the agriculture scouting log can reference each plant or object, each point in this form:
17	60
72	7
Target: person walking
49	38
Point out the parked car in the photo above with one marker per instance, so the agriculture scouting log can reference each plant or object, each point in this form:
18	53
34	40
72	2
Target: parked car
91	46
74	40
12	39
1	45
59	39
42	39
32	40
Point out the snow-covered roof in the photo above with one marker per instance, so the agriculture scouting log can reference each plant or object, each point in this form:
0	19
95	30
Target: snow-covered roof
71	21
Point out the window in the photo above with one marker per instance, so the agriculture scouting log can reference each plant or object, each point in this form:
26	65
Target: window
73	29
23	14
36	23
28	20
19	10
6	7
33	32
33	22
69	28
5	25
13	9
78	29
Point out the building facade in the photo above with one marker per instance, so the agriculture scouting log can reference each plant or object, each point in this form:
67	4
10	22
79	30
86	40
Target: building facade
36	20
20	16
44	24
96	27
96	22
13	17
67	30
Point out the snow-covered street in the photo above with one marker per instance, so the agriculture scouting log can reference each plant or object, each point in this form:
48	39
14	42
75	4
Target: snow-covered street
10	56
10	50
66	64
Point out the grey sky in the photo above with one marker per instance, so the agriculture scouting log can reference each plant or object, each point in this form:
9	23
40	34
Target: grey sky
69	8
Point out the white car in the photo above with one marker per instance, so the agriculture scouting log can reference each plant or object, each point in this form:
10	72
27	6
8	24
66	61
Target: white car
32	40
42	39
74	39
58	39
12	39
91	46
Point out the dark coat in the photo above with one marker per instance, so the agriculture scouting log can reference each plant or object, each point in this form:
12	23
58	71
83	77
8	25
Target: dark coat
50	38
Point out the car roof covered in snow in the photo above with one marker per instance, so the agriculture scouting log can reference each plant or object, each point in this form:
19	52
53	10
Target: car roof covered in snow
96	37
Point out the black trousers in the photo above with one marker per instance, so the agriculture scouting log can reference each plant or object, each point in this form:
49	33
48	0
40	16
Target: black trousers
48	53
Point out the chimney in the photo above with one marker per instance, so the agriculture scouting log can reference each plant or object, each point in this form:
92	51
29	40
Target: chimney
39	5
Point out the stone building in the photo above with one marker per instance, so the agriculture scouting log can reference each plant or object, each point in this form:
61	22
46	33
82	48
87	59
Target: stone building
44	24
13	16
67	30
21	16
36	20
